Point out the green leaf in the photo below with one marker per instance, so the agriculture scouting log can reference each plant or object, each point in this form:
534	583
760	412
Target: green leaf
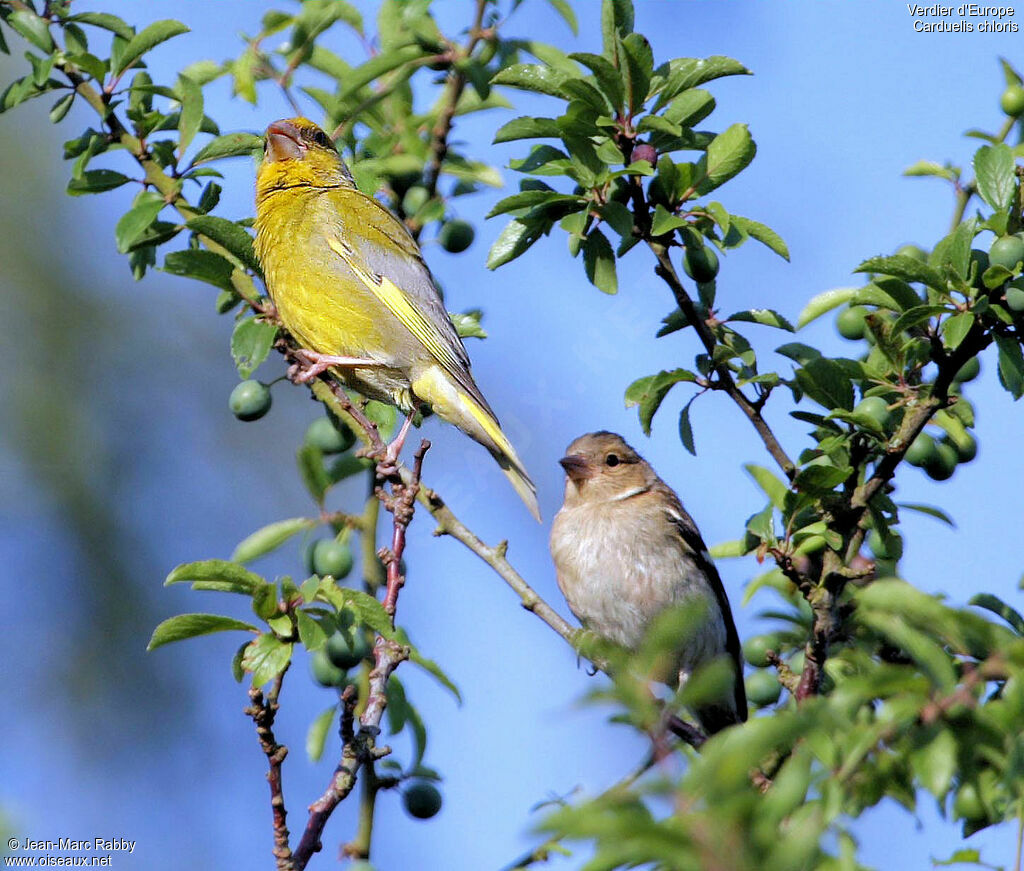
106	21
824	303
96	181
528	128
314	475
727	155
686	429
956	328
519	234
664	221
202	266
599	262
689	72
998	606
228	576
147	39
435	671
467	324
637	66
931	168
532	77
192	625
316	736
251	342
35	29
763	234
649	392
228	235
764	316
191	116
907	268
530	199
773	488
1011	366
608	78
762	524
826	382
266	658
616	22
61	107
936	763
930	510
542	159
994	174
269	537
136	220
229	145
565	10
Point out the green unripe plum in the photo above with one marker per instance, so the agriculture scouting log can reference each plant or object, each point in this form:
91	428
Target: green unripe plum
332	558
965	445
763	688
329	437
913	251
1007	251
701	264
348	647
456	236
325	672
850	322
796	662
921	450
422	800
250	400
755	649
969	371
1015	296
1012	101
967	804
878	547
942	465
415	199
875	408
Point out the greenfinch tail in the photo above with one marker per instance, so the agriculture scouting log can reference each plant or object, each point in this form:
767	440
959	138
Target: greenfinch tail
457	405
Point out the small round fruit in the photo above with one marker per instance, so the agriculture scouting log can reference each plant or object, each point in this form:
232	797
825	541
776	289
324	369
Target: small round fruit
346	648
332	558
850	322
763	688
878	546
965	445
967	804
250	400
325	672
1015	298
1006	251
969	371
415	199
942	465
644	151
456	236
1012	101
921	450
914	251
701	264
422	800
875	408
329	437
756	647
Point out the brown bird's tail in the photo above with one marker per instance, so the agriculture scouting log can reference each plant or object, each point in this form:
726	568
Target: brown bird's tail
457	405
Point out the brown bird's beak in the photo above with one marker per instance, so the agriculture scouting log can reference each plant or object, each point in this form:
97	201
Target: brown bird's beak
576	467
284	142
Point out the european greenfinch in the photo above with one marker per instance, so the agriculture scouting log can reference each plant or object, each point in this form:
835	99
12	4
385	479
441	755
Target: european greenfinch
350	284
625	550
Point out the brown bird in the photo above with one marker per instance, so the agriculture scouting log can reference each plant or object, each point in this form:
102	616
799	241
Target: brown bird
625	550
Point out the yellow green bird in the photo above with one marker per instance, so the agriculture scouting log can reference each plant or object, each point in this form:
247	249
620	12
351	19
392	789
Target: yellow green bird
350	284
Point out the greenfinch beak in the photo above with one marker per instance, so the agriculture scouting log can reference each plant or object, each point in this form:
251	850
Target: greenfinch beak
284	142
576	467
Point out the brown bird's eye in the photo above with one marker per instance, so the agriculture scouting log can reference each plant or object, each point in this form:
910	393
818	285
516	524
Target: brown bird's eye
320	138
611	460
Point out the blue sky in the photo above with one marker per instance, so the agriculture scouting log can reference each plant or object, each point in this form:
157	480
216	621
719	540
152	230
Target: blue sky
844	97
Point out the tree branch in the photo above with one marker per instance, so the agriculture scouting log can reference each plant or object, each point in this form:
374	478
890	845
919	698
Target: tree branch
263	710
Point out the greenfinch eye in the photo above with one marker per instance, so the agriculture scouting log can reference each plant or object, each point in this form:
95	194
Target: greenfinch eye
611	460
320	138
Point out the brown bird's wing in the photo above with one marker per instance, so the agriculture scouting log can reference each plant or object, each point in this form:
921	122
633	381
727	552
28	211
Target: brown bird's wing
691	537
387	259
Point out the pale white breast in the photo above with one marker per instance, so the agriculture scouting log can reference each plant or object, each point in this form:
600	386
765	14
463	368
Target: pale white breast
619	567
